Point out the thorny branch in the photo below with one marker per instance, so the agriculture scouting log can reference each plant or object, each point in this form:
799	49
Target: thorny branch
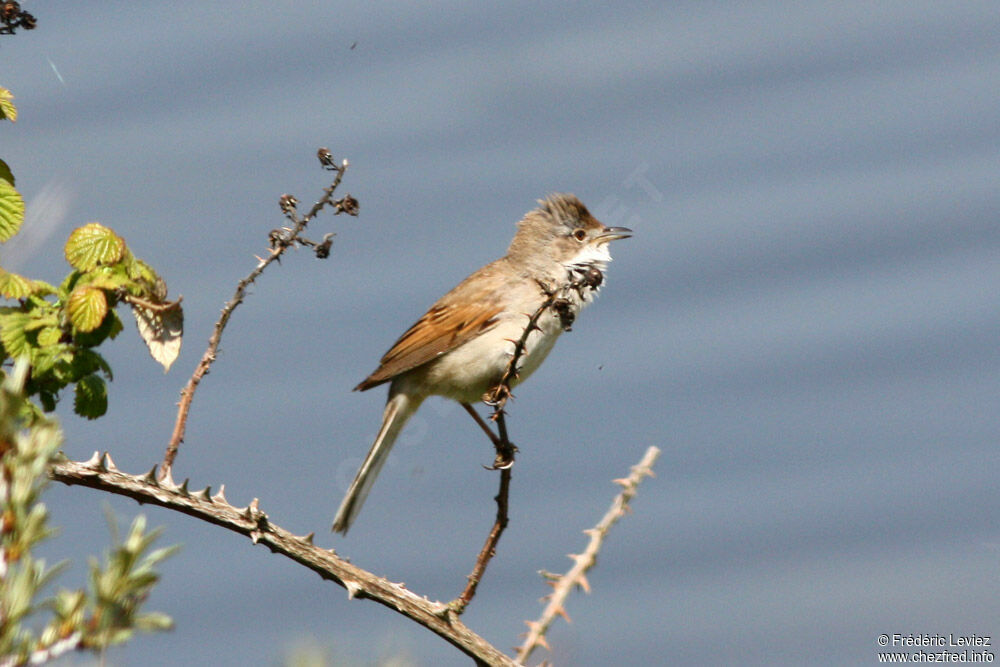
159	488
281	240
100	473
563	585
555	298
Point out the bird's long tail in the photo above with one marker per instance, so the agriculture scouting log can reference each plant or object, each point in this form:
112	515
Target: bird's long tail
398	410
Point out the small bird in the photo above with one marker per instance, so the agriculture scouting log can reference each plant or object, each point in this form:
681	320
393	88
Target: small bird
461	347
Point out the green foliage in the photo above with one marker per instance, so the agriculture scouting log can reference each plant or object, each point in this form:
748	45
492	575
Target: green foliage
92	245
11	210
5	173
7	109
110	610
57	328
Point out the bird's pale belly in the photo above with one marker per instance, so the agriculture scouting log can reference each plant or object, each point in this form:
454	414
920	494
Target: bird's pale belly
466	373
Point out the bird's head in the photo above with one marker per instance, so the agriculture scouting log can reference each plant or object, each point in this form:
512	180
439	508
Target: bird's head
561	231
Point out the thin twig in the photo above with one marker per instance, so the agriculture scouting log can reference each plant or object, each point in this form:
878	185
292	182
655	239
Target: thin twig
100	473
555	298
489	548
583	562
497	398
505	449
281	244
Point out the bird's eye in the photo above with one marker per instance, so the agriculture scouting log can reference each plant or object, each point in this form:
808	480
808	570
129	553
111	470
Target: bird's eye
580	234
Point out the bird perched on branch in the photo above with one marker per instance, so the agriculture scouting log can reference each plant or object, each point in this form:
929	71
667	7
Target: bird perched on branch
462	346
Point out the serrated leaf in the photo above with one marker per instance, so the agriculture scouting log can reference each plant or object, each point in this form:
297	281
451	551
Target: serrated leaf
49	336
162	330
40	318
92	245
13	286
110	281
5	173
86	308
91	397
86	361
42	288
7	108
114	326
140	270
11	210
12	332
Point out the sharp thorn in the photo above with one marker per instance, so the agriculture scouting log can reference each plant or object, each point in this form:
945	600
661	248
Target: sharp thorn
150	477
353	588
168	481
220	497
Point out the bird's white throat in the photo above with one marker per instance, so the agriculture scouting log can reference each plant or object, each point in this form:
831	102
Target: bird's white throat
591	255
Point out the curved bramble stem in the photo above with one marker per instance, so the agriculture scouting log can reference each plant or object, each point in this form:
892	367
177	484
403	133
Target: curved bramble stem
576	576
281	241
100	473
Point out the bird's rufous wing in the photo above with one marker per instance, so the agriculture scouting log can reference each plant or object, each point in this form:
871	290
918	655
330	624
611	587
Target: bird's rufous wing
449	323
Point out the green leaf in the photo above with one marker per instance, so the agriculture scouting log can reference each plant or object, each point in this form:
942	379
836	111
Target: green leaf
91	398
92	245
140	270
49	336
42	288
7	108
13	286
87	361
11	210
48	400
87	307
12	332
68	283
110	327
106	277
6	174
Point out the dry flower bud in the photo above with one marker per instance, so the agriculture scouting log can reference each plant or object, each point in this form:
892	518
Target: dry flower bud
325	157
349	205
287	203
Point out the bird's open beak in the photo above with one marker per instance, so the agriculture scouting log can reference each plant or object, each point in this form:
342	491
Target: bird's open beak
613	234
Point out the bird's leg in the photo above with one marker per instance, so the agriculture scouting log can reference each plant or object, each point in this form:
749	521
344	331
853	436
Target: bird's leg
482	424
505	448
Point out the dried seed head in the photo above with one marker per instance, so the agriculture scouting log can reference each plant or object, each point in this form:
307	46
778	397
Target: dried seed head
564	309
9	11
593	278
287	203
349	205
326	158
322	249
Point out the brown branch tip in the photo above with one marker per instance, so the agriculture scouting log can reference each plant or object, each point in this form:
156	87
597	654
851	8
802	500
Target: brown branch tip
279	240
582	562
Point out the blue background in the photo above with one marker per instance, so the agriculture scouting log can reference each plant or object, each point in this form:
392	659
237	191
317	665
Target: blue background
806	322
